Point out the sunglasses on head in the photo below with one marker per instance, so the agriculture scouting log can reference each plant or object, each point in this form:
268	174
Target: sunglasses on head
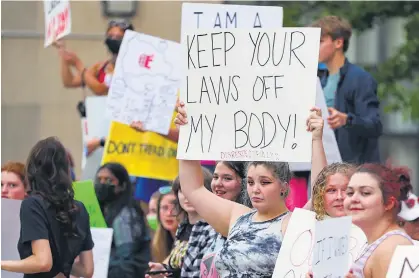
121	24
165	189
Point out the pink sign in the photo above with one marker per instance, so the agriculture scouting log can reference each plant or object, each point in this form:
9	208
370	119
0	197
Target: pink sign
298	194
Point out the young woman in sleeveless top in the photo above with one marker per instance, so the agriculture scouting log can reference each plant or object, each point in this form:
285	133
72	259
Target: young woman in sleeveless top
254	237
228	182
98	76
373	200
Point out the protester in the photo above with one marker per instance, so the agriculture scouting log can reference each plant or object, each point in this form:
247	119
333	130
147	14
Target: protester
410	216
257	233
165	234
193	237
97	77
227	183
329	190
13	185
130	250
152	210
350	93
373	200
54	228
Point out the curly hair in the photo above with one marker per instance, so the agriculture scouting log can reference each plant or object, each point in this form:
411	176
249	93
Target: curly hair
319	188
48	175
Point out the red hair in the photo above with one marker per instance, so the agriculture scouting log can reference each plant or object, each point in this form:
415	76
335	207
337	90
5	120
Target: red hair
16	168
394	181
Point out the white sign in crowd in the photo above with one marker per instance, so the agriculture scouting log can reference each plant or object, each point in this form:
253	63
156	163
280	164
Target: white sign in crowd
248	85
57	20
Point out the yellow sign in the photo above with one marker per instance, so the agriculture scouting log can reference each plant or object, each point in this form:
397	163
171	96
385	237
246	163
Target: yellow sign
144	154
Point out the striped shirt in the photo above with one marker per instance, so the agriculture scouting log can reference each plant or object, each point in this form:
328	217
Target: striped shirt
359	264
200	240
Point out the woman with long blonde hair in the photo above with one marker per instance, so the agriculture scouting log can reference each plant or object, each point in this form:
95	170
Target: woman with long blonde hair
329	190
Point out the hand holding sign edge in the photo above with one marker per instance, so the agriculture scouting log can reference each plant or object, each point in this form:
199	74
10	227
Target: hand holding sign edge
315	123
181	116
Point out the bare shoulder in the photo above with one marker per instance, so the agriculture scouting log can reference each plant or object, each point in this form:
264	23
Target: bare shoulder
390	244
238	210
95	67
381	257
285	222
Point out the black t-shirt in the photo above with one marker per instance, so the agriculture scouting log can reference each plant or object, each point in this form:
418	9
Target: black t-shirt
38	221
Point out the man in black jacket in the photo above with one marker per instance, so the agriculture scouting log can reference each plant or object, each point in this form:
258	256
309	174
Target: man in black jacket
350	93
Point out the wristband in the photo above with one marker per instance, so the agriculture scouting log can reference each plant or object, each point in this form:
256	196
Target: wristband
102	142
83	83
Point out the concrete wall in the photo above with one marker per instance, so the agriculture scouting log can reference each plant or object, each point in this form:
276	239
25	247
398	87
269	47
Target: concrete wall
34	103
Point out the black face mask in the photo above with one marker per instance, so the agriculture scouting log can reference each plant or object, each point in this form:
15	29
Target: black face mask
113	45
105	192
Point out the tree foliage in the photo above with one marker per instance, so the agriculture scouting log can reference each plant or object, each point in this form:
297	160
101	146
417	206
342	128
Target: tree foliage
397	76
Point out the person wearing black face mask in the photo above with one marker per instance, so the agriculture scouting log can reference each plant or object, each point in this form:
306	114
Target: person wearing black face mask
113	45
130	251
97	77
105	193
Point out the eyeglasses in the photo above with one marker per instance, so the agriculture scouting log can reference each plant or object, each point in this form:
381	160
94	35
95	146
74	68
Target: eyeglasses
165	189
121	24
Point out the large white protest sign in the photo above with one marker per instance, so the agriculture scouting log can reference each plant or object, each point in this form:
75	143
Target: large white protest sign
10	221
102	237
296	254
331	247
248	93
405	262
145	83
223	16
57	20
330	144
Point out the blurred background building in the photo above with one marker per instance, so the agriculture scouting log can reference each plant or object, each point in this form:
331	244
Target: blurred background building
34	103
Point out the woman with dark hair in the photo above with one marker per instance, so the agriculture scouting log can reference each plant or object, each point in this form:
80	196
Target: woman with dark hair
54	227
373	199
228	182
97	77
130	251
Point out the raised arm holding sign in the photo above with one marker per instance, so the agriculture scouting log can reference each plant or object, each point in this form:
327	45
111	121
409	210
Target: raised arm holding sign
229	218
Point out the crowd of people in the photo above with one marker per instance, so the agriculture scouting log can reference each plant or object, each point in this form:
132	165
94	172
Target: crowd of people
216	219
